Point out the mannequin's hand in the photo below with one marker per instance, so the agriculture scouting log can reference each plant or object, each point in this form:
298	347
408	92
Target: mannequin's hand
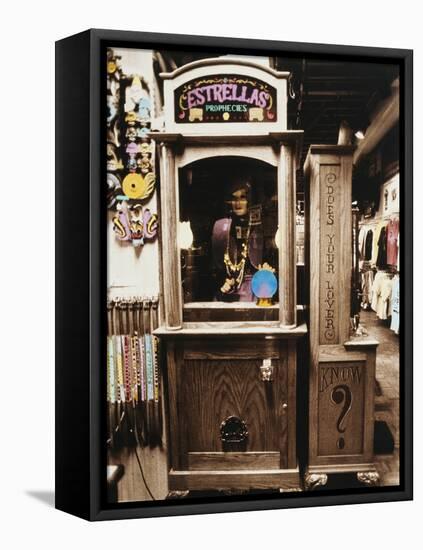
227	286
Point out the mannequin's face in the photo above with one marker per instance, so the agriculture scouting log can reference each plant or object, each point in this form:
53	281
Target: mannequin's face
239	201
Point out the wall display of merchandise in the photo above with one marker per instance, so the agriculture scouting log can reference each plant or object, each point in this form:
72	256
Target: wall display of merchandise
130	154
379	253
133	374
300	240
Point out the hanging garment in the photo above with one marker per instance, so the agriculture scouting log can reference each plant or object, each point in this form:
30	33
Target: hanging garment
385	299
375	247
367	278
392	231
376	289
381	294
395	321
368	245
361	241
381	260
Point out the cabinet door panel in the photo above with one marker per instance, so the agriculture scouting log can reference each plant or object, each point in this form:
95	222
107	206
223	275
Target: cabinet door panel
212	390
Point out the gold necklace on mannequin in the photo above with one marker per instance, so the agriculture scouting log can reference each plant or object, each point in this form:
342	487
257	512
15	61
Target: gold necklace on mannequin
235	269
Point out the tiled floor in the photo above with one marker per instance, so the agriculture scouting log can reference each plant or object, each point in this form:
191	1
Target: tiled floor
387	390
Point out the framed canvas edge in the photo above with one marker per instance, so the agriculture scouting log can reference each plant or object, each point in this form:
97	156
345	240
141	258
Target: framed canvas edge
97	282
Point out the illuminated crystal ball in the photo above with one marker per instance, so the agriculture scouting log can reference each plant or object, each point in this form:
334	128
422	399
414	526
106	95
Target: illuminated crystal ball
264	284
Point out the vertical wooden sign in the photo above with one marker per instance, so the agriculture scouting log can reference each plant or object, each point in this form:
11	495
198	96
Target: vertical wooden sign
341	406
341	399
329	254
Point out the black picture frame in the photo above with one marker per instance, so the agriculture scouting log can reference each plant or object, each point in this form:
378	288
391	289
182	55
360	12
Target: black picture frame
81	279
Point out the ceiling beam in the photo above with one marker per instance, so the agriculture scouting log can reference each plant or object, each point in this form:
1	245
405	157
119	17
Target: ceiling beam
386	117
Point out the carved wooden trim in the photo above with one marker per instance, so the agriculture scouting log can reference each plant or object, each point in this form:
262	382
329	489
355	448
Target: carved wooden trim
200	461
371	479
172	290
228	329
234	479
291	408
314	481
223	61
287	243
172	386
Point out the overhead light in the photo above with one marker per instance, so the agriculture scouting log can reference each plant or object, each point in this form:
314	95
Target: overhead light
359	134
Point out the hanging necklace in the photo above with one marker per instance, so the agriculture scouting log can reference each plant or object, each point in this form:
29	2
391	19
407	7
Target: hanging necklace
236	269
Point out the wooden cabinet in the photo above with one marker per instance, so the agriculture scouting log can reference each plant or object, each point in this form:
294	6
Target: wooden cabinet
231	373
230	426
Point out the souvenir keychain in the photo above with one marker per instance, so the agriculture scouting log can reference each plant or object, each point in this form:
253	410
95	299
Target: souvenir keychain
120	394
135	186
150	224
132	150
111	396
133	371
157	409
113	134
127	370
133	94
124	424
121	224
112	108
149	370
136	364
137	225
143	376
114	189
144	109
113	163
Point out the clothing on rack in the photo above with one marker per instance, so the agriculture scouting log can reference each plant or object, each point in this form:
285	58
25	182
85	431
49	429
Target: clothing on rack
392	235
368	245
385	243
367	277
375	246
365	244
395	301
381	260
361	241
381	294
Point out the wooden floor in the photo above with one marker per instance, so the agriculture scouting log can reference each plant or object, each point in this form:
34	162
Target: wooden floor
154	461
386	404
387	394
132	487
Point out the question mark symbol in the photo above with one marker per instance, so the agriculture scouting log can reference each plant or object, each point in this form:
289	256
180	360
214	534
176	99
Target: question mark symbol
341	394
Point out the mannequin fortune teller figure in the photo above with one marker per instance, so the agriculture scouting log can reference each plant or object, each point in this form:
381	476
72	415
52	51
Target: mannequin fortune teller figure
237	246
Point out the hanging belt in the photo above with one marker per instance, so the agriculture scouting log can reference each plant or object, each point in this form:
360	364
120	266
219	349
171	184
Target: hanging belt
149	366
142	369
136	367
119	368
127	366
155	342
111	388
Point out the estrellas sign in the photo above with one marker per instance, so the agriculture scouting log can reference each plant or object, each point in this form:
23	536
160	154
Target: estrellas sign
225	98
